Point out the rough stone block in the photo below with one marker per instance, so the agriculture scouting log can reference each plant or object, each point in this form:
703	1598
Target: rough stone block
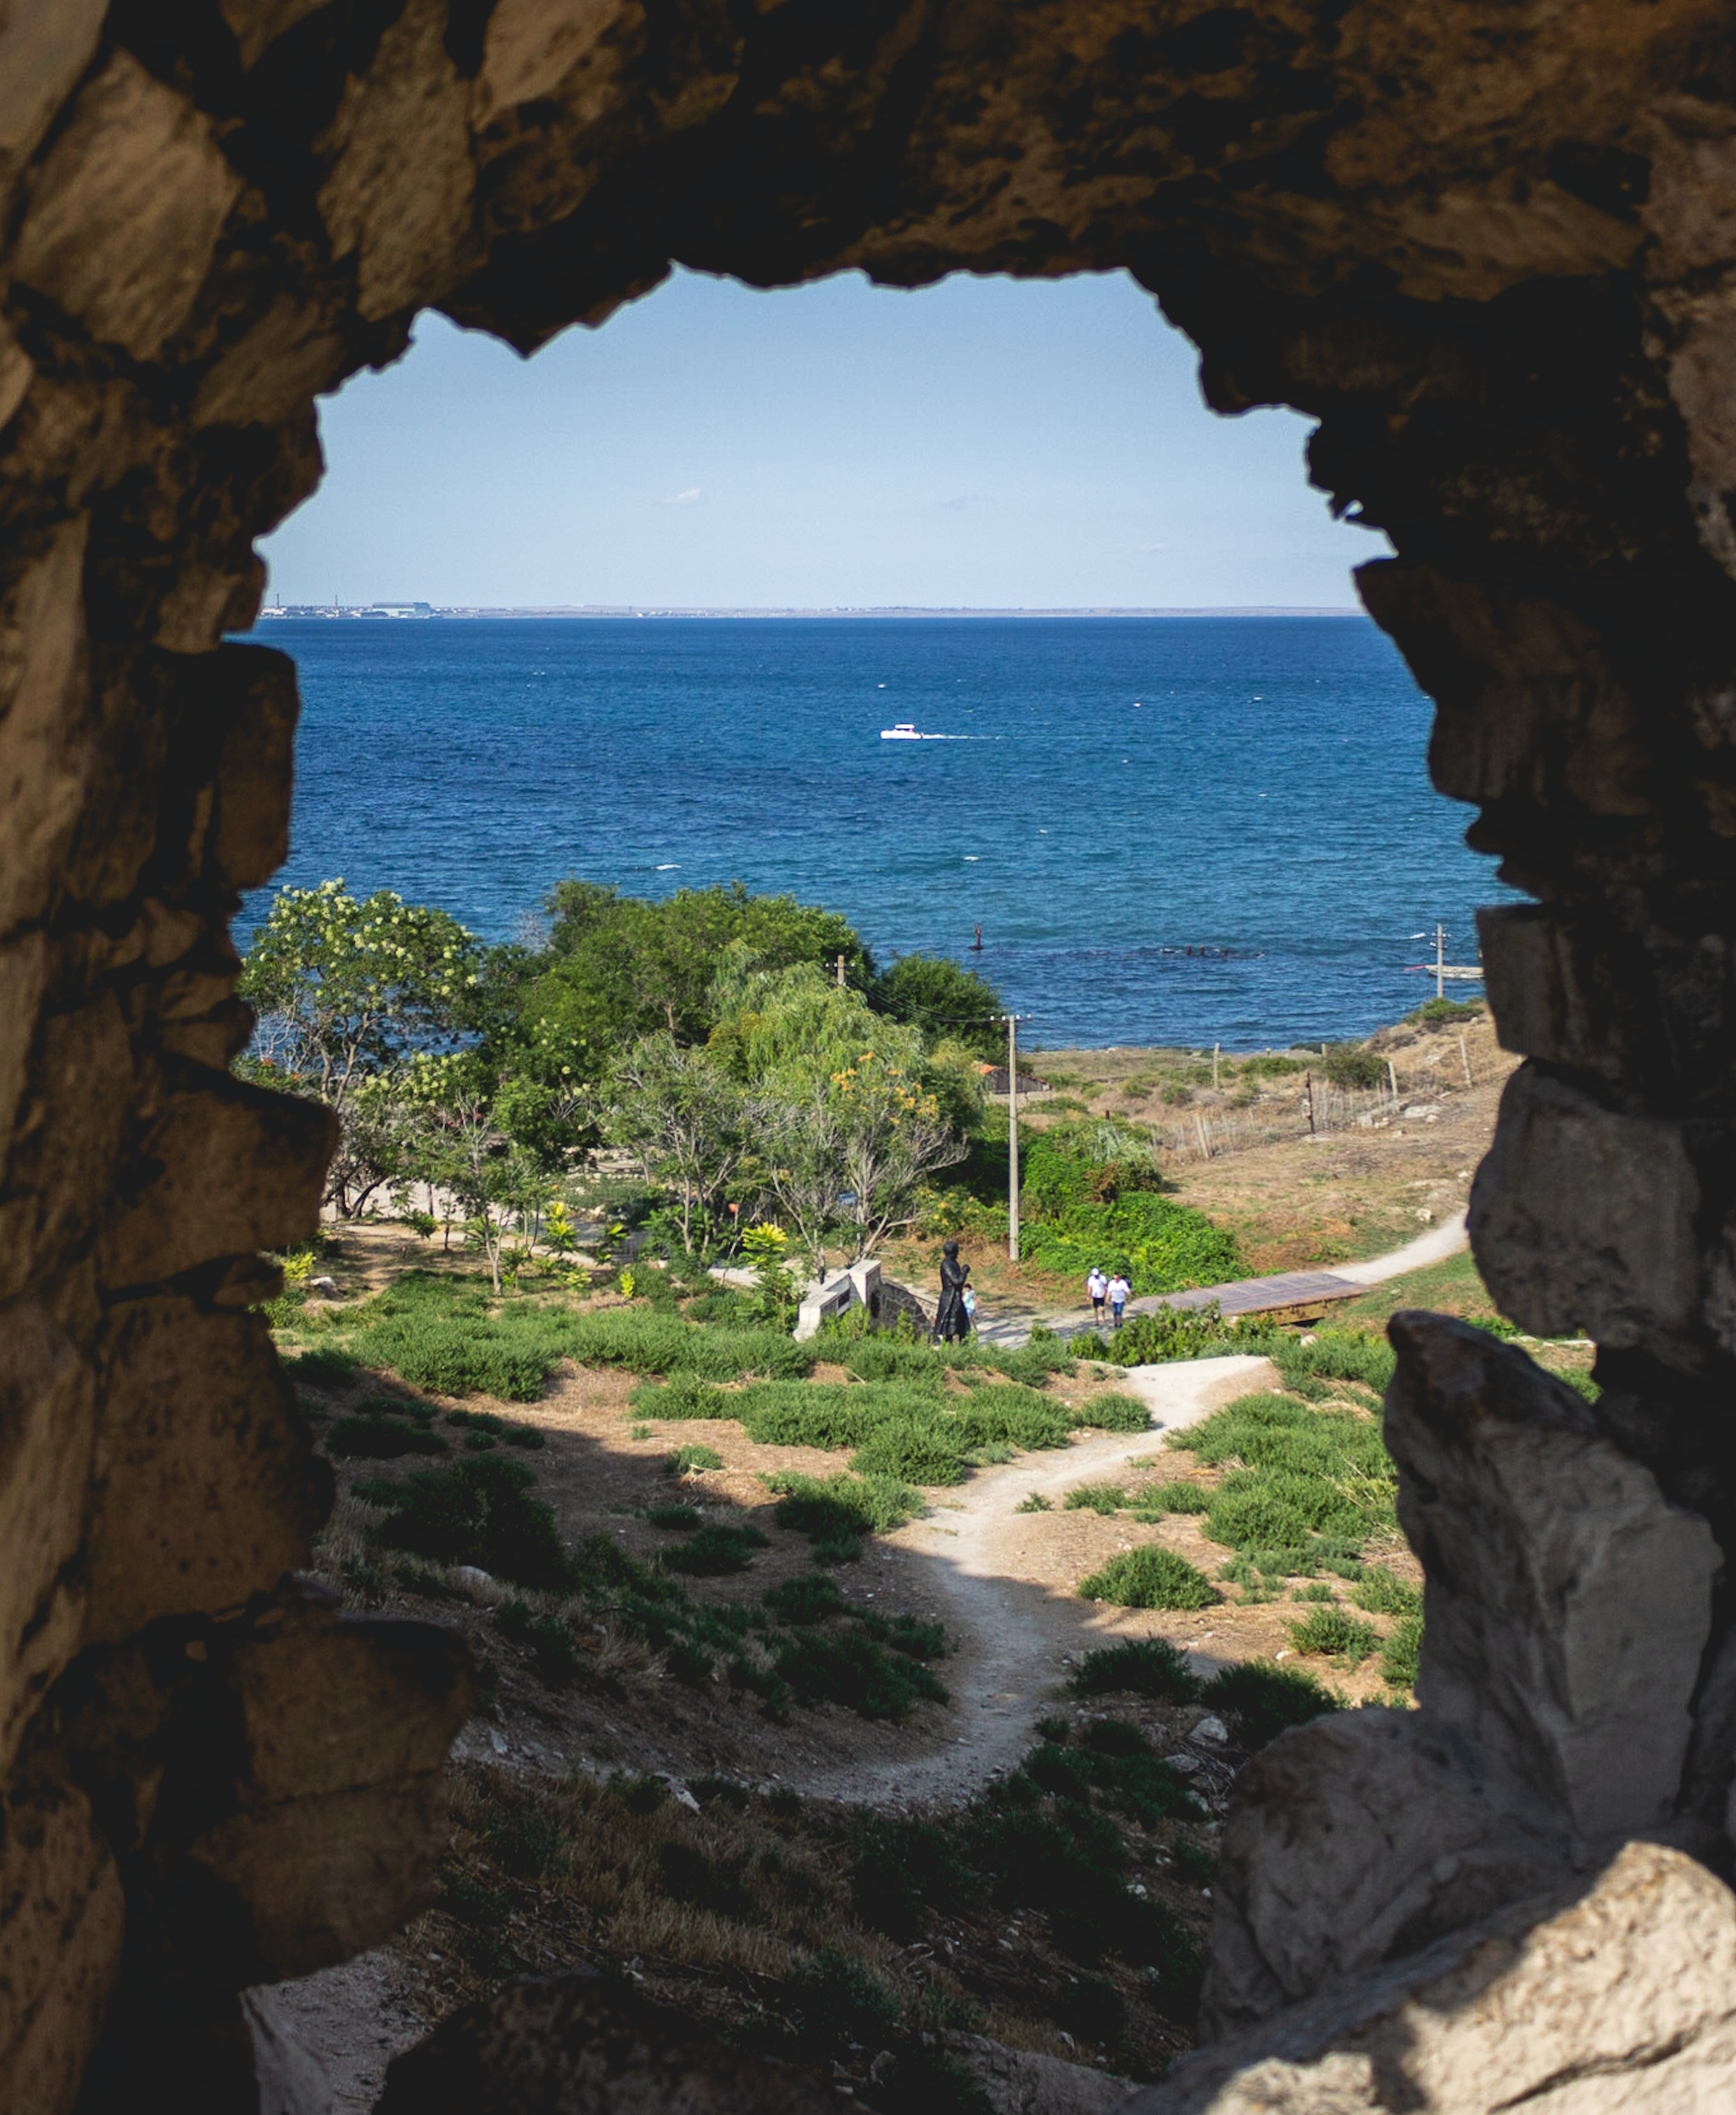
43	723
47	1425
1530	707
62	1923
249	835
124	212
1357	1840
45	45
1619	1999
320	1879
328	1705
1582	1220
224	1168
398	197
1542	1007
1567	1605
208	1492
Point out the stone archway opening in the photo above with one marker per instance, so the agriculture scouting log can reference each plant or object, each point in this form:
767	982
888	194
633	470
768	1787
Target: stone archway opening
1492	256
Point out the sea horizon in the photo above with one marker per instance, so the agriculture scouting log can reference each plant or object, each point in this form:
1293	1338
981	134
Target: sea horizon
1168	833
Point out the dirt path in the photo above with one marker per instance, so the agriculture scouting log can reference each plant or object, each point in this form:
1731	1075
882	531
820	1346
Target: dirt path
981	1558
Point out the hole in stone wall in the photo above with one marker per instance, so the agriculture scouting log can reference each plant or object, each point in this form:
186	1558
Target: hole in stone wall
1122	790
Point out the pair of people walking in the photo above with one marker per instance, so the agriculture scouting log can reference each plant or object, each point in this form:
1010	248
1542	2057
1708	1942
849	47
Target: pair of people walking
1115	1292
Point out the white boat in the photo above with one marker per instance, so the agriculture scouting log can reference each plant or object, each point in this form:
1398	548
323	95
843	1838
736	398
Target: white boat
905	731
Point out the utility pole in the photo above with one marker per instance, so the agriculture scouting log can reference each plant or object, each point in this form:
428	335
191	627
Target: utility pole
840	972
1440	961
1012	1022
1217	1053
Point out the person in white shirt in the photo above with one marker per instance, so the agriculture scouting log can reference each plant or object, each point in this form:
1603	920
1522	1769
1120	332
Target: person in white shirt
1096	1285
1120	1292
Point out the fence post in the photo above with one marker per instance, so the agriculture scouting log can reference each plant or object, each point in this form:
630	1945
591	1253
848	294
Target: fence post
1308	1083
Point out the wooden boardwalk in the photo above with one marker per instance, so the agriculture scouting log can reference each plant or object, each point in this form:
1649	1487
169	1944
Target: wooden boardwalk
1287	1296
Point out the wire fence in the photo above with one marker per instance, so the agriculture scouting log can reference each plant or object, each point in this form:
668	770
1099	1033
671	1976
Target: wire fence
1319	1111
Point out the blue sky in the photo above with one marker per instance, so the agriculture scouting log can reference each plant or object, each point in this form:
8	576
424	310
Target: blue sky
984	443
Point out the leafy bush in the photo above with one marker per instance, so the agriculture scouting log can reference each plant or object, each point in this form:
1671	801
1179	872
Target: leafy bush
678	1519
381	1438
1084	1211
823	1508
809	1599
1337	1355
1158	1499
547	1636
1401	1651
1271	1067
1096	1498
852	1669
478	1512
684	1461
913	1453
1168	1333
486	1422
1265	1698
324	1368
1349	1064
715	1550
1145	1667
1334	1631
1150	1578
1114	1413
1383	1593
1435	1012
1034	1502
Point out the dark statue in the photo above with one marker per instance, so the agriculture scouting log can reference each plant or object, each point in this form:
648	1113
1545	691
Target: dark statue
952	1324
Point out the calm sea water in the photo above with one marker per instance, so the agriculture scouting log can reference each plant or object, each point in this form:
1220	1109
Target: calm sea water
1115	792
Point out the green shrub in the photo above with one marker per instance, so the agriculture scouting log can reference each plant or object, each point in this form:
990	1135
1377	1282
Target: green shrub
381	1439
1157	1499
1113	1413
684	1461
1332	1630
1433	1012
1400	1653
1264	1699
832	1508
911	1452
851	1669
1034	1502
547	1636
1349	1064
1145	1667
326	1369
478	1512
679	1519
1271	1067
809	1599
485	1420
1096	1498
715	1550
1168	1334
899	1866
1337	1355
1150	1578
1383	1593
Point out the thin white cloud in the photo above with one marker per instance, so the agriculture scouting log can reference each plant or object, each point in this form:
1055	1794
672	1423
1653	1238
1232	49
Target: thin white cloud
690	498
966	500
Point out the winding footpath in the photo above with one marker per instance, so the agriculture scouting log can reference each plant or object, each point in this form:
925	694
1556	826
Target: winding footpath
975	1553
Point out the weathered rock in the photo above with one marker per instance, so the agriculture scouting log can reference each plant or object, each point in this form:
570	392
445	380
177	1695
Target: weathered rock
1567	1606
208	1490
1618	1998
1354	1840
1582	1220
1026	2082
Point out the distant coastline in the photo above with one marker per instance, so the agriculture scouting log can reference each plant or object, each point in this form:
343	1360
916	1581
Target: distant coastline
413	611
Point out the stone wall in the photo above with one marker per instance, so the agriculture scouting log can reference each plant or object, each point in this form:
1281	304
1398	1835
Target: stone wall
1490	248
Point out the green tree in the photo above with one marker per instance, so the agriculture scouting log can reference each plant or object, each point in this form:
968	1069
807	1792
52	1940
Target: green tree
461	1150
689	1123
947	1002
347	990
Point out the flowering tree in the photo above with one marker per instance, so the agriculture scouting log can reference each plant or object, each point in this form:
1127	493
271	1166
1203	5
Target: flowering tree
347	990
689	1123
458	1148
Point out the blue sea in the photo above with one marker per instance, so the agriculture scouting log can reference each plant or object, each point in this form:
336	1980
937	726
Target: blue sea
1170	830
